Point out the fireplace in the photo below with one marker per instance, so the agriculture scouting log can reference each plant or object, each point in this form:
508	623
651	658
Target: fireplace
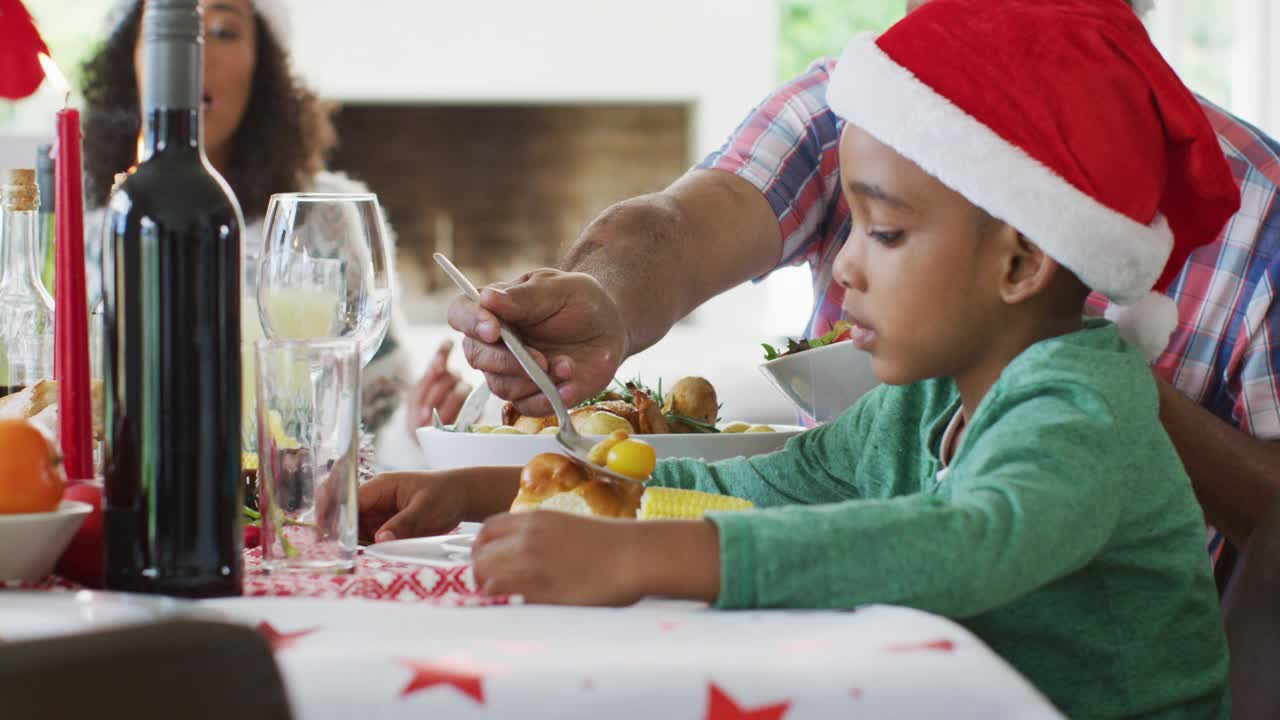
502	188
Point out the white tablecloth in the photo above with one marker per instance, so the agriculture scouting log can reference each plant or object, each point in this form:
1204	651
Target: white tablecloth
355	658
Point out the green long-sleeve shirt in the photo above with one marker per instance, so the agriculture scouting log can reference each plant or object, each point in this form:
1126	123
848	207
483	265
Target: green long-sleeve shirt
1064	532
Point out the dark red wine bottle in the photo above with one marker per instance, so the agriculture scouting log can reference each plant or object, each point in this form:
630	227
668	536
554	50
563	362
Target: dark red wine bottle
171	306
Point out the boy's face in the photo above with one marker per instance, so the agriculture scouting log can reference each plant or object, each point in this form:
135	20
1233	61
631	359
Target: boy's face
920	268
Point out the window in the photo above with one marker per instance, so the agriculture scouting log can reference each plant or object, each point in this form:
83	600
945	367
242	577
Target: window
1222	50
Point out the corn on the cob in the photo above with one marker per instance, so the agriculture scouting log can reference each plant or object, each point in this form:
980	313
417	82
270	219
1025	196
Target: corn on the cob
660	503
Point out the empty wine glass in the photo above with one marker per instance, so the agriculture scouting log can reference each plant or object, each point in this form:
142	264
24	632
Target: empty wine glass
325	270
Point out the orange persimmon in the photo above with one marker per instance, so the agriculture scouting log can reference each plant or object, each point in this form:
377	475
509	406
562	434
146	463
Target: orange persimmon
31	475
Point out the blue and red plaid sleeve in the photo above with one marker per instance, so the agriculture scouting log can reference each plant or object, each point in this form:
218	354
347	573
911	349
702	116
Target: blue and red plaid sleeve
788	148
1226	350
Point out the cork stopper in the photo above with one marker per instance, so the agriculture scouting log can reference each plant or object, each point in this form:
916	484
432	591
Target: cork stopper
20	191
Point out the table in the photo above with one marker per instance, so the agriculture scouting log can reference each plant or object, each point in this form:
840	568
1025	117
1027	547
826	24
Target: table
344	654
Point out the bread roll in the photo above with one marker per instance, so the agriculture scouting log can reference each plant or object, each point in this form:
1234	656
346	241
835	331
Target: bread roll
551	481
39	403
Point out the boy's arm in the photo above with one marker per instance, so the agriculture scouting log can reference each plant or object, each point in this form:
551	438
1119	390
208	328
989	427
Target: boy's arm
816	466
1036	499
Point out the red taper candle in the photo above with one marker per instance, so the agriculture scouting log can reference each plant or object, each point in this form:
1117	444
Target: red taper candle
71	319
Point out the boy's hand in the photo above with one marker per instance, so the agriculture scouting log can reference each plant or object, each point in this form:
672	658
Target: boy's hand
557	558
404	505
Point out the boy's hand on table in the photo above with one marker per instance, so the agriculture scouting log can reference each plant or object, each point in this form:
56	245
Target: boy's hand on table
395	506
558	558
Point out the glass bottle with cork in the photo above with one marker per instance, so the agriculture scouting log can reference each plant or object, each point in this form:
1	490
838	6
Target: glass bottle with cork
26	309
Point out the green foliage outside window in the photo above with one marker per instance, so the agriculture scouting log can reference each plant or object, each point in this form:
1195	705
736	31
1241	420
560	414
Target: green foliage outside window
811	29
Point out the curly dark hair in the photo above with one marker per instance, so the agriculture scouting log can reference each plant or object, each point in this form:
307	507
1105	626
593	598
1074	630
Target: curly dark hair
282	141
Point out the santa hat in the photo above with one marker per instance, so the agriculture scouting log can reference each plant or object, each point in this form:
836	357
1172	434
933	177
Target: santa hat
20	48
273	12
1060	118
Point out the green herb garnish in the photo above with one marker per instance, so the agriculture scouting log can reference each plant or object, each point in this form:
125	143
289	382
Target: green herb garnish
836	332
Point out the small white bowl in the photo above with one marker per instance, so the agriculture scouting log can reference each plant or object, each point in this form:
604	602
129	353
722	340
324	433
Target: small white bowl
445	450
31	543
822	382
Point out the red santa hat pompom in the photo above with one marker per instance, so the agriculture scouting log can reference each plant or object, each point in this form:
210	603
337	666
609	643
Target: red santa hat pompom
20	48
1061	118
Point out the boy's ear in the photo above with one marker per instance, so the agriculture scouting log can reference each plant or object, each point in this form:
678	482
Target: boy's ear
1027	270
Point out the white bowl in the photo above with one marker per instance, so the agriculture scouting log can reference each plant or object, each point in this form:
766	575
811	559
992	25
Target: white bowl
822	382
31	543
445	450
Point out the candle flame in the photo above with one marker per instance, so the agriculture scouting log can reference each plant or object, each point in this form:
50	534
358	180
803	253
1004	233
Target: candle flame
142	147
55	76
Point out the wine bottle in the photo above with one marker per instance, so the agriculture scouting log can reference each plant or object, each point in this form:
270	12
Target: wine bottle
171	307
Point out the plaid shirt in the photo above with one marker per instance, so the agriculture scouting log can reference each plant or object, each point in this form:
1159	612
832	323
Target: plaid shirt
1226	350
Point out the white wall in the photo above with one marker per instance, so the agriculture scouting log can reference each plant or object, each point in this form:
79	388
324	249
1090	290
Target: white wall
717	54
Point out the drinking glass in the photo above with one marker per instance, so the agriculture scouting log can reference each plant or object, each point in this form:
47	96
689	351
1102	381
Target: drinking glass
325	269
308	453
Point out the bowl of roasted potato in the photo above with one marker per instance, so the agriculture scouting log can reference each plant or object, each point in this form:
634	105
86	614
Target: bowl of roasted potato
683	422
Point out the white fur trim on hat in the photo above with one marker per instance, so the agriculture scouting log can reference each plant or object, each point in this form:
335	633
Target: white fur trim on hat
1148	323
274	12
1107	250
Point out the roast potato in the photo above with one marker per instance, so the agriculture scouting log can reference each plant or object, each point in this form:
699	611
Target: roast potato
600	422
693	397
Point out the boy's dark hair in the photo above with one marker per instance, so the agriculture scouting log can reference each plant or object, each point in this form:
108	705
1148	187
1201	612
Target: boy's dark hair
281	142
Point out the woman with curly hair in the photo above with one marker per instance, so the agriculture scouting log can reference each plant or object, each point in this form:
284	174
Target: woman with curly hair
264	131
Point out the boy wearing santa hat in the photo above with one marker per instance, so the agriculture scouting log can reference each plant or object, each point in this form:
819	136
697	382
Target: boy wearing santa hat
1001	160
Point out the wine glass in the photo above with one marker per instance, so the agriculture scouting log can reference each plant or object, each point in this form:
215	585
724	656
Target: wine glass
325	270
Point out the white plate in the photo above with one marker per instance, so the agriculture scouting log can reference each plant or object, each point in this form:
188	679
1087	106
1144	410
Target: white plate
461	544
437	551
445	450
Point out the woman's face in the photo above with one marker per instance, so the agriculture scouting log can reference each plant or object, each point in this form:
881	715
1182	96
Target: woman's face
230	55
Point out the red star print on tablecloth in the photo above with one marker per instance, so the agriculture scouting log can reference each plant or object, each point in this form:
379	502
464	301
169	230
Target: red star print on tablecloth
427	675
722	707
281	641
941	645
